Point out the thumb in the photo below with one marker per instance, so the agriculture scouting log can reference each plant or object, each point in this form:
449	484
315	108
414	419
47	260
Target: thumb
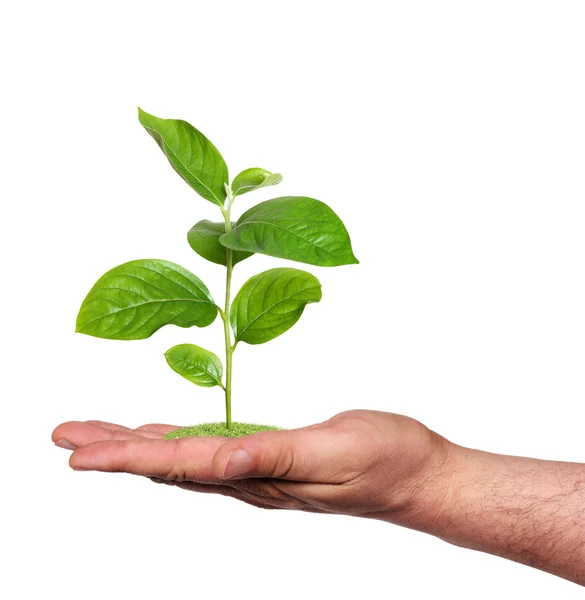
294	455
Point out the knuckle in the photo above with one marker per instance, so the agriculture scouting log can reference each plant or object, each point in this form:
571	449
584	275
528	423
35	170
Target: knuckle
125	445
284	461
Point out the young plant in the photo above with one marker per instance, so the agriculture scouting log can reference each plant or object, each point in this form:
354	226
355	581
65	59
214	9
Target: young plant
135	299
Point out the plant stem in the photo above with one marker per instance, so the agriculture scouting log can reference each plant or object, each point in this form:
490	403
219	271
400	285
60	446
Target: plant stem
229	349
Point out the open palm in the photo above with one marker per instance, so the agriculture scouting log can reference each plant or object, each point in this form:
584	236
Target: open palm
364	463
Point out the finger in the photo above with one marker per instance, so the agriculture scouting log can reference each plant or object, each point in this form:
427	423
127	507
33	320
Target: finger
269	491
202	488
107	425
152	428
222	490
75	434
298	455
176	460
157	428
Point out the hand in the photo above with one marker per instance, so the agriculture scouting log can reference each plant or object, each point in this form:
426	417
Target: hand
369	464
362	463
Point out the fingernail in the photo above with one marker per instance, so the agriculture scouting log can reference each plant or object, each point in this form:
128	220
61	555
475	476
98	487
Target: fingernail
63	443
238	463
80	469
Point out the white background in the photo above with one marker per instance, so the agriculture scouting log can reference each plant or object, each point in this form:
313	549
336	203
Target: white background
449	136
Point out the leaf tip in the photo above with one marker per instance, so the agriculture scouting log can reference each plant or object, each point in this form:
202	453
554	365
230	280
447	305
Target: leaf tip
143	116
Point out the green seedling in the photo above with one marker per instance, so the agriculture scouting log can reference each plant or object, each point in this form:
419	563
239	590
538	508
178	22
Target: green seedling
135	299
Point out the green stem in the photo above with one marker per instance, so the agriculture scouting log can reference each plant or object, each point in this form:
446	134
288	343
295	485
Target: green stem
229	349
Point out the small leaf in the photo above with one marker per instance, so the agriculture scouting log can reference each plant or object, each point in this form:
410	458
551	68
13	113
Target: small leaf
254	179
135	299
196	364
293	227
191	154
271	302
204	236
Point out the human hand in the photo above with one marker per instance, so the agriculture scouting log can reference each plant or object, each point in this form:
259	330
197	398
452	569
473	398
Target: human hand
364	463
369	464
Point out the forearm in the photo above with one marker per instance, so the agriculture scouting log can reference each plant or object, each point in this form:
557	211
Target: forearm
527	510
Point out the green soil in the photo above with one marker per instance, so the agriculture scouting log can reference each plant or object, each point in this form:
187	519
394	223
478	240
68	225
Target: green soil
219	429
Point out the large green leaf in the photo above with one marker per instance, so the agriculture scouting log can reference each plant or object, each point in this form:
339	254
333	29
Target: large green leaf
293	227
271	302
196	364
204	236
254	179
191	154
135	299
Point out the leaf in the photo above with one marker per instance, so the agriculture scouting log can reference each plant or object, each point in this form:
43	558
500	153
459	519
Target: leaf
271	302
191	154
196	364
135	299
254	179
293	227
203	237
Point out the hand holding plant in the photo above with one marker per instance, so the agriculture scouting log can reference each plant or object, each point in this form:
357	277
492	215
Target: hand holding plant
367	464
363	463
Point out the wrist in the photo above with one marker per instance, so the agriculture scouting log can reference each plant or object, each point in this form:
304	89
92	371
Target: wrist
433	492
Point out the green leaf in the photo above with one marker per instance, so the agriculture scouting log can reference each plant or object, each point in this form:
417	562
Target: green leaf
271	302
191	154
204	236
195	364
293	227
254	179
135	299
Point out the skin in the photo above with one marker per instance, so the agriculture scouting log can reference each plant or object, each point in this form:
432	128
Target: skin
367	464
